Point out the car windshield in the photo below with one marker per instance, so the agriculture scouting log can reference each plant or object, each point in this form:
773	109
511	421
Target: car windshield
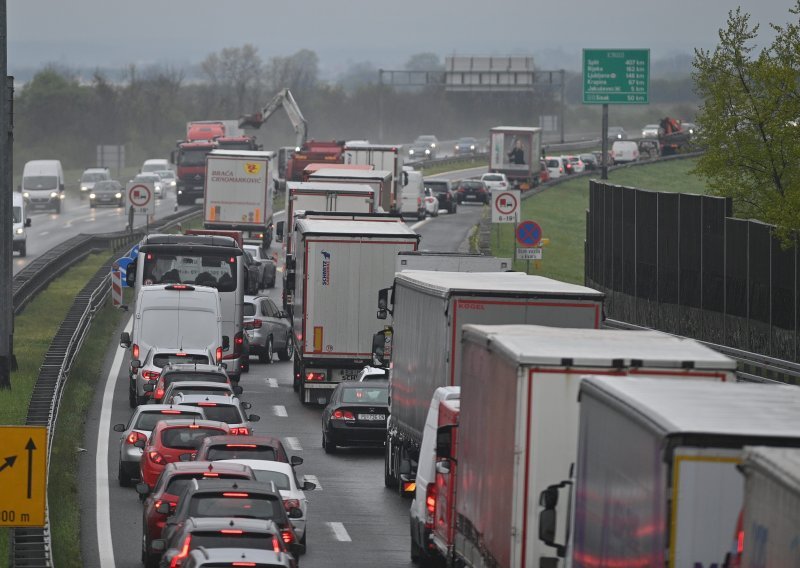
148	420
105	185
466	141
178	483
231	539
281	480
374	395
472	185
221	390
187	438
94	176
163	359
249	309
552	163
193	156
147	178
169	174
224	413
235	504
424	139
492	177
152	167
17	212
212	270
241	452
587	157
180	376
40	182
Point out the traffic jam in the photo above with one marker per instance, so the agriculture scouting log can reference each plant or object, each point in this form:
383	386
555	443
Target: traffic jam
516	426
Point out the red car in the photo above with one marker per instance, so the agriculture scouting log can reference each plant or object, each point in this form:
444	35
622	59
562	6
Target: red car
169	487
172	438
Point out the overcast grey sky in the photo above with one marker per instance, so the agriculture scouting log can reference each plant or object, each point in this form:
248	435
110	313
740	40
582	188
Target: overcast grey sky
118	32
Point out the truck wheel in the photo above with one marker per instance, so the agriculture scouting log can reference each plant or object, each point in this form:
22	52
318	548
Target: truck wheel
266	355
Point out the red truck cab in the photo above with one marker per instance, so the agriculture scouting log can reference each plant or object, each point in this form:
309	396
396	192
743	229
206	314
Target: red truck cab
204	130
441	495
190	161
313	151
237	143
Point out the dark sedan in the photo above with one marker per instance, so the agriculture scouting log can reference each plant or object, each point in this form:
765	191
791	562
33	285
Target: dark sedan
356	415
107	192
471	190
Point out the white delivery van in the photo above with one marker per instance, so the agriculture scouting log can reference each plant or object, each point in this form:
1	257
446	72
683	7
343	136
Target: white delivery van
21	221
412	198
172	316
155	165
625	151
43	184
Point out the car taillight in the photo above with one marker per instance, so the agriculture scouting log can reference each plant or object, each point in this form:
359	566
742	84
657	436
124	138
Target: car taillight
255	324
288	536
235	494
219	355
206	404
502	184
159	394
238	341
430	505
342	415
240	431
244	564
133	437
178	559
135	351
315	377
290	504
419	201
172	504
231	531
150	375
276	544
155	457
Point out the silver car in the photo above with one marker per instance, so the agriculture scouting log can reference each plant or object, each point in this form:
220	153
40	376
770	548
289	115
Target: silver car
222	408
268	329
139	427
155	179
149	370
200	387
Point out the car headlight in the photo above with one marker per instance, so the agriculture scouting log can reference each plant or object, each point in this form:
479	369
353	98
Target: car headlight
433	145
173	183
427	152
619	136
180	192
19	231
472	147
84	188
457	146
26	194
61	196
92	196
53	194
411	152
118	195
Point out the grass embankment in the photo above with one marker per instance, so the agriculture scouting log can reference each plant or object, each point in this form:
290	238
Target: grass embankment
466	164
33	331
561	212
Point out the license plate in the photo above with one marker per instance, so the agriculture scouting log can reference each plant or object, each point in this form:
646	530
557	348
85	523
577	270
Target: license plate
470	197
375	417
349	375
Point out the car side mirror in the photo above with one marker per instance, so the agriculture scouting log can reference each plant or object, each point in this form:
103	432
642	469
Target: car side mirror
139	444
163	508
295	461
283	315
119	427
253	418
149	387
548	500
136	364
226	342
295	513
28	222
158	545
143	489
130	275
125	339
237	390
382	348
246	405
279	231
309	486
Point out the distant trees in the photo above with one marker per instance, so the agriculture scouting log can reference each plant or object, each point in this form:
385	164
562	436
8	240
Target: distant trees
749	119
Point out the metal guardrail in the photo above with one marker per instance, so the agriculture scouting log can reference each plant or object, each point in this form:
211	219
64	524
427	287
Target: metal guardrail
31	547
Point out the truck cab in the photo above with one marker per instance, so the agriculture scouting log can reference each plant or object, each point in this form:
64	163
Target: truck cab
190	160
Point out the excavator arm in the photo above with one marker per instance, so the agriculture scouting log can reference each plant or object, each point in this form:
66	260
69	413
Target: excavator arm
283	99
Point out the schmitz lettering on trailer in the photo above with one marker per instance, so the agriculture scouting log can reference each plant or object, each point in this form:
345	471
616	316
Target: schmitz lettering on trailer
470	306
326	268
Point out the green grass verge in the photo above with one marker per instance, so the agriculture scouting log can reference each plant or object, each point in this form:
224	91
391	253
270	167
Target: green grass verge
561	212
65	513
33	331
462	165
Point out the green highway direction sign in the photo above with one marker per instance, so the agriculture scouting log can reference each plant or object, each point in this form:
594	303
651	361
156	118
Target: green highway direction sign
616	76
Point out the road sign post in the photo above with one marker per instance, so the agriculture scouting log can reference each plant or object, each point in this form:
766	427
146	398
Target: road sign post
23	476
141	200
505	205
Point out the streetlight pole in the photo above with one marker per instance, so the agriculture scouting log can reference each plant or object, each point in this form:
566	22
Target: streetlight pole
7	360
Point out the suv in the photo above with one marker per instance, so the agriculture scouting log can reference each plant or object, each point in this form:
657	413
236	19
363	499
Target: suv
443	191
184	372
424	146
227	409
268	329
472	190
148	372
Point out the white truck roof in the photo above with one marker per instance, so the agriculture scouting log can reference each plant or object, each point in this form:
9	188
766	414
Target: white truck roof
387	227
243	153
327	186
516	128
700	407
540	345
445	283
351	174
781	464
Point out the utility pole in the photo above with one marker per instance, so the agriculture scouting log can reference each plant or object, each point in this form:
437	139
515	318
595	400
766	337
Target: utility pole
563	97
7	360
380	106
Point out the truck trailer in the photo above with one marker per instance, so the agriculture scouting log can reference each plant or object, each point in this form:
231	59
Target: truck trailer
657	480
339	266
451	262
429	309
383	157
381	181
516	151
519	430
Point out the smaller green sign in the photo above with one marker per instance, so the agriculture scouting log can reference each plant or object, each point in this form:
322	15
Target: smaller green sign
616	76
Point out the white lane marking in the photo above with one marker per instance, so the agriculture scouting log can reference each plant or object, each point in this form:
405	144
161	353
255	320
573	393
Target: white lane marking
279	410
102	499
43	233
313	479
293	444
339	532
418	224
273	383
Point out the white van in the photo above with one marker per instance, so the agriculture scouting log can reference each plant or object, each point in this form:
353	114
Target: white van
43	184
154	165
625	151
412	202
173	316
90	177
20	223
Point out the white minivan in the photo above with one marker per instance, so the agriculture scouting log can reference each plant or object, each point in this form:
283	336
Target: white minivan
154	165
43	184
172	316
412	201
625	151
21	222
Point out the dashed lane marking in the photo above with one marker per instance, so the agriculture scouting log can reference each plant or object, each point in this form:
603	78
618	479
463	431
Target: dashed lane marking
293	444
340	532
273	383
279	410
313	479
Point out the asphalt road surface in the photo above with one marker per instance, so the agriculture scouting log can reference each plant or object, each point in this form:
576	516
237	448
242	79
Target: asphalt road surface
353	520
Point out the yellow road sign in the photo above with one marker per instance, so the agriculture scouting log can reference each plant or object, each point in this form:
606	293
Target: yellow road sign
23	475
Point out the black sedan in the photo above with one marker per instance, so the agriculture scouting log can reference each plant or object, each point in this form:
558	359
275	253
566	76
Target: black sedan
473	191
356	415
107	192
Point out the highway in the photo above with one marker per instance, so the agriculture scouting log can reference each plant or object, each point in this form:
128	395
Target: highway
352	517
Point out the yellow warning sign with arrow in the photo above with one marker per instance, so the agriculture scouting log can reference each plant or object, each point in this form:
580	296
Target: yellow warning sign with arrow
23	476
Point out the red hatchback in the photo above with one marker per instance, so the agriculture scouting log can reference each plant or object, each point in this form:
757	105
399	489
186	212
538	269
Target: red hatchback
170	485
172	438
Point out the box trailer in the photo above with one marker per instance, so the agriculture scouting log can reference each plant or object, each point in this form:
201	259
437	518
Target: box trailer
429	310
515	151
339	266
519	397
657	480
382	181
238	192
451	262
385	157
769	533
